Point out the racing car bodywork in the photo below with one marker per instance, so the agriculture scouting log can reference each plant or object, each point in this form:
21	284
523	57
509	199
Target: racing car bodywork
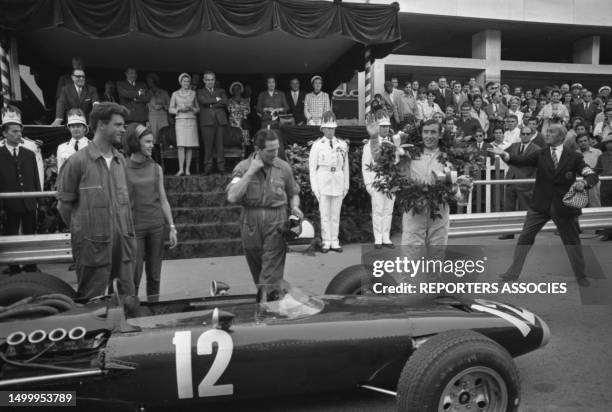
223	348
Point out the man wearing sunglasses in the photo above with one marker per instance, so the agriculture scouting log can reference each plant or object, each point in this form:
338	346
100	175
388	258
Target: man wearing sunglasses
77	95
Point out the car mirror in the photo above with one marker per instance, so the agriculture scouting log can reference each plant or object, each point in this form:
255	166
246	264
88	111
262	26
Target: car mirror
218	288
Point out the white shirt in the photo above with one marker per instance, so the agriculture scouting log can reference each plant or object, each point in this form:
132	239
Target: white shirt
13	150
512	136
65	150
295	95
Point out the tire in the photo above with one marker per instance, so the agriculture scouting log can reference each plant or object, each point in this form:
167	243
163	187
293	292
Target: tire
32	284
356	280
428	379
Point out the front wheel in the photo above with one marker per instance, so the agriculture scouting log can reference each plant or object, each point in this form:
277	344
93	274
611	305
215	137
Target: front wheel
356	280
459	371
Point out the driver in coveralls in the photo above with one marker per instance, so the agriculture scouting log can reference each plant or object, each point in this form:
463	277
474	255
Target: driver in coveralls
329	179
263	184
93	200
420	229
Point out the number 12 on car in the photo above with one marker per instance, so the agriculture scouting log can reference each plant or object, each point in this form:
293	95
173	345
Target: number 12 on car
206	341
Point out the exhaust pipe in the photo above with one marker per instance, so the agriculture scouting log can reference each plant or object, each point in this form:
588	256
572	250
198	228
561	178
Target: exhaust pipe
37	336
16	338
77	333
57	334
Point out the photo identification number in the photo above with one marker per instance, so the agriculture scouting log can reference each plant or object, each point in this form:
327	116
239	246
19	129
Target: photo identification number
205	346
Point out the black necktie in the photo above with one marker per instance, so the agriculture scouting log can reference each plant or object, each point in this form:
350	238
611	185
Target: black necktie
331	144
15	152
522	149
76	146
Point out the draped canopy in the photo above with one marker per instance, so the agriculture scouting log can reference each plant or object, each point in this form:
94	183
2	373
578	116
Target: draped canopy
342	29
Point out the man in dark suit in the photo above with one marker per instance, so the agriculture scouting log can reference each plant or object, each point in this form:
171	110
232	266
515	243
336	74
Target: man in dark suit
77	95
536	137
518	196
557	169
479	144
496	111
295	98
213	122
134	95
585	108
444	95
18	173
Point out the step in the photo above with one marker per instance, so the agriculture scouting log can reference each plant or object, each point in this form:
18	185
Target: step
197	199
199	183
208	231
206	214
205	248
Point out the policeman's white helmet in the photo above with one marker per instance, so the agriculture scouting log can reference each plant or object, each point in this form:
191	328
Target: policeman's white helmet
76	116
302	230
328	120
10	116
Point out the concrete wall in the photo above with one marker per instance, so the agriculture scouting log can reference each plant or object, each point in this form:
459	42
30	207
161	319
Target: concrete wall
579	12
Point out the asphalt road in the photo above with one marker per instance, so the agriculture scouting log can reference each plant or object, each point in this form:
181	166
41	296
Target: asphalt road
572	374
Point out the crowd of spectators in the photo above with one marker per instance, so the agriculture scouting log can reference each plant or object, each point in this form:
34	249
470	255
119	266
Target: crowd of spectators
512	118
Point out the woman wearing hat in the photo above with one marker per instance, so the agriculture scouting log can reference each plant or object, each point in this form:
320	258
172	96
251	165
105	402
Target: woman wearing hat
78	128
150	207
184	105
316	103
329	180
238	108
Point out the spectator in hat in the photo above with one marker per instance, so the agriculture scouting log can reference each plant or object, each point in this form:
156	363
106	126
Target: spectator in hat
150	207
157	106
18	173
134	95
238	108
77	95
78	128
576	91
296	99
329	180
382	205
184	105
316	103
604	92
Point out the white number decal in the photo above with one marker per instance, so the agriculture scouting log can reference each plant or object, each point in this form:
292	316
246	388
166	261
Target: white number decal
205	345
225	347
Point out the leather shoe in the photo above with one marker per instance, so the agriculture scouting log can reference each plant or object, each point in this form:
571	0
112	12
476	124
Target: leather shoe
507	277
377	246
324	250
389	245
583	282
506	237
605	238
337	249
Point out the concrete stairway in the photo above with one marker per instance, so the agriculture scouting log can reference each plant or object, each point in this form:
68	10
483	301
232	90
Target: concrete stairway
207	224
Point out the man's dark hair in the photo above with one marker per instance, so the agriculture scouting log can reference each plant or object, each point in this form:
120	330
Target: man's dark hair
498	127
533	119
263	136
268	77
429	123
466	104
208	72
512	116
102	112
489	84
292	78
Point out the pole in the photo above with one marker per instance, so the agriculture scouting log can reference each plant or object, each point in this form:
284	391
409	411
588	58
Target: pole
368	80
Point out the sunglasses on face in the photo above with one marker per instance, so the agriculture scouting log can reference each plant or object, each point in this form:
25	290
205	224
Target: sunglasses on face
525	134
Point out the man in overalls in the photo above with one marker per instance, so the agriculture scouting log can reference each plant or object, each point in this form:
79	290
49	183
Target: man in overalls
263	184
93	200
328	164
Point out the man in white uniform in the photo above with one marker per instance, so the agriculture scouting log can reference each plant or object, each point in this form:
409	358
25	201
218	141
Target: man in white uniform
329	180
382	205
78	127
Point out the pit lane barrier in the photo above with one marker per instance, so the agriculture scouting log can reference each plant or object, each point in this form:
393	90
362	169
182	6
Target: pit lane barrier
56	247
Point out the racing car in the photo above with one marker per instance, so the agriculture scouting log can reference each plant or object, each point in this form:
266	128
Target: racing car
440	353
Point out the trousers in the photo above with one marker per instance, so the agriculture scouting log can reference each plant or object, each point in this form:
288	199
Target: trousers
264	245
382	215
422	230
568	231
149	251
93	280
329	208
27	221
213	143
516	199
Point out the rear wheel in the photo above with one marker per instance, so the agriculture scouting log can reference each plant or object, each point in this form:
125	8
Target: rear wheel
356	280
459	371
32	284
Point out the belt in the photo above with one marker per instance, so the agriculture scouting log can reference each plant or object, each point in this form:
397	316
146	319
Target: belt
328	168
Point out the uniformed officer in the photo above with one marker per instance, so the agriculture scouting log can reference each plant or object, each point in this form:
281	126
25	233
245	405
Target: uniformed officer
382	205
78	128
329	179
263	184
31	145
17	174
